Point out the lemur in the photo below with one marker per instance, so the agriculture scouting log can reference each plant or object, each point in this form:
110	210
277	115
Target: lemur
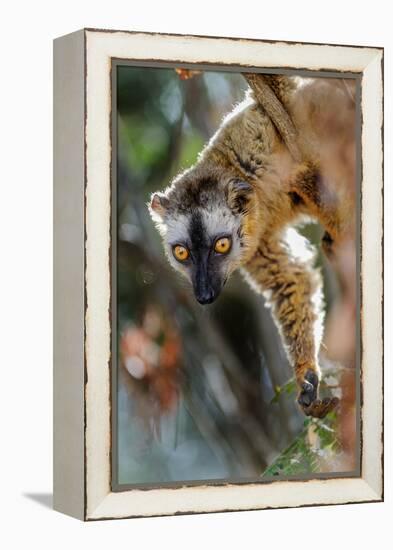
266	169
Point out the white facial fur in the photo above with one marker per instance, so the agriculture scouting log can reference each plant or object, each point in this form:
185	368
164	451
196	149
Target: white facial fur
218	220
221	221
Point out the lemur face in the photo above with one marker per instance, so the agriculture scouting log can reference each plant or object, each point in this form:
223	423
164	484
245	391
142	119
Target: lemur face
202	229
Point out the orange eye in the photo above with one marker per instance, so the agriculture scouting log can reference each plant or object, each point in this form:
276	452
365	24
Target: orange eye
223	245
180	252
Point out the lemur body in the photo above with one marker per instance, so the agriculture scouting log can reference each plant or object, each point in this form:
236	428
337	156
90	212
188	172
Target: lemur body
260	174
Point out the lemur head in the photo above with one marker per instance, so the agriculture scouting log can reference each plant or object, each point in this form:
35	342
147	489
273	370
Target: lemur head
204	220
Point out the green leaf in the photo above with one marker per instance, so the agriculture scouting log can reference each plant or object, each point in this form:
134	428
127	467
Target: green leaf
300	457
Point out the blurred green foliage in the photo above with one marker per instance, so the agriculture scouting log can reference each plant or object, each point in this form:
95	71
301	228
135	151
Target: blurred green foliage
307	454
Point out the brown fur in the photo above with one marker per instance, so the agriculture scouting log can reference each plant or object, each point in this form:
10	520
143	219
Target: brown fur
292	144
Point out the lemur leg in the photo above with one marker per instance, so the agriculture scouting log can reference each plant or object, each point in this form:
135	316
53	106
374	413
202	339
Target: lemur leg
308	184
294	291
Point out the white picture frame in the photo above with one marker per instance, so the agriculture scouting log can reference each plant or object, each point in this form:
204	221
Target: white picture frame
82	257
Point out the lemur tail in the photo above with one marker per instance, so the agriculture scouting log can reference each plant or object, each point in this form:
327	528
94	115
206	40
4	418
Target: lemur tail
272	93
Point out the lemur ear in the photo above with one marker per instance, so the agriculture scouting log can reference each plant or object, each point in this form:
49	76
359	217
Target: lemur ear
158	205
239	193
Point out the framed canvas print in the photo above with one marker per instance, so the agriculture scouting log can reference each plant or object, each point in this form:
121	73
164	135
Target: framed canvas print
218	274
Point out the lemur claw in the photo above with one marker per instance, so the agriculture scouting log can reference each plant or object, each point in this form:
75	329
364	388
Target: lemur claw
308	401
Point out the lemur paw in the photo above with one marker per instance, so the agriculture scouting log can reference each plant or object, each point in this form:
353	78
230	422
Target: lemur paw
309	389
319	409
308	397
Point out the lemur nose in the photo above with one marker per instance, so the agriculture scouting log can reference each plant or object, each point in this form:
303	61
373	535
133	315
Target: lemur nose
206	297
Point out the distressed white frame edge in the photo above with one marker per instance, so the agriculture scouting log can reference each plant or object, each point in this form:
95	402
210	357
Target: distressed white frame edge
101	46
68	274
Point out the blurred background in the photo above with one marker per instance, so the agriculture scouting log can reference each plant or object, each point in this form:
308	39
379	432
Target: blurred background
206	392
